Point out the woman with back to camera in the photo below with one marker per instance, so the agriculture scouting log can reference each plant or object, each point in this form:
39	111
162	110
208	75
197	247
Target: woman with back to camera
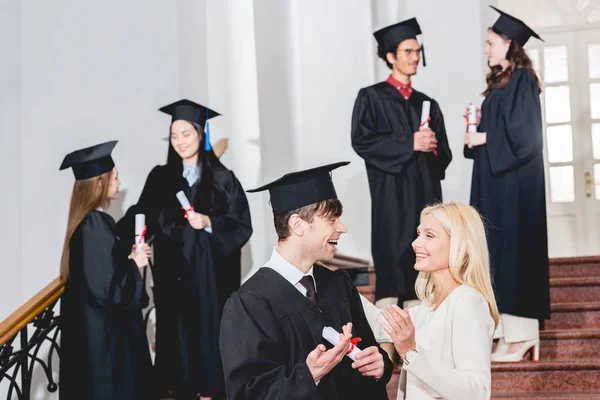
104	350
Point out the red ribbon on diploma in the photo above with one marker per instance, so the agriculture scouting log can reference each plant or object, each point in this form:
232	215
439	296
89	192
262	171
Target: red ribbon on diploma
353	342
469	124
142	235
187	210
435	153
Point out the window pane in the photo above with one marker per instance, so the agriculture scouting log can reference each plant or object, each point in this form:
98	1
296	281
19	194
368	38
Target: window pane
555	64
596	140
594	60
558	104
560	143
597	179
595	100
534	55
562	184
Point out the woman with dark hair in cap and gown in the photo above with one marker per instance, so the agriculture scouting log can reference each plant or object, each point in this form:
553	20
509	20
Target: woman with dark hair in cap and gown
104	350
197	255
405	160
508	188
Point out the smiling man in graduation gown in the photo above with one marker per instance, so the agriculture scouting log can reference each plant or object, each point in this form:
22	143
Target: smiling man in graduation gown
271	331
405	161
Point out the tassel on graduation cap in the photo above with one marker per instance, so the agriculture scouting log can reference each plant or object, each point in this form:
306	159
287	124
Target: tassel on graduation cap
207	145
391	36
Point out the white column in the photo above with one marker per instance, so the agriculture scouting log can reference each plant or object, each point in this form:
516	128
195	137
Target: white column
10	157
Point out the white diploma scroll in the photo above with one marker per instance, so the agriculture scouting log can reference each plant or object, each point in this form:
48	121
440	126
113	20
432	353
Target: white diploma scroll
472	119
333	337
140	231
185	203
425	114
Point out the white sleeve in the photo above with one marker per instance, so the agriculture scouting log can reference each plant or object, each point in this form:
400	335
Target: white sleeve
375	317
470	377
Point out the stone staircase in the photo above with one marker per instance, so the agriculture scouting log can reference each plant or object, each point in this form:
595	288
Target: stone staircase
569	366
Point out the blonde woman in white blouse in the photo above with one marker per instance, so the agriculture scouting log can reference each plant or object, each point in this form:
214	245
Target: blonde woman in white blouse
446	341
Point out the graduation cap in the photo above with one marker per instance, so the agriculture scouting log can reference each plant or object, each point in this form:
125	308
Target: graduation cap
299	189
91	161
390	36
514	28
192	112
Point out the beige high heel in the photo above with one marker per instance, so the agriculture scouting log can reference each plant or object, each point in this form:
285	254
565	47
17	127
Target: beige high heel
533	345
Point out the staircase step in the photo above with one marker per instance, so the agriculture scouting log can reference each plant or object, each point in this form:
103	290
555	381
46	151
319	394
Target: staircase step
570	344
574	267
594	395
578	379
574	316
546	376
578	289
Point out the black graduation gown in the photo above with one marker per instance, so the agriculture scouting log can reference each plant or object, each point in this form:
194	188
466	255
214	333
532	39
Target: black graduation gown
508	190
402	181
104	351
269	328
194	273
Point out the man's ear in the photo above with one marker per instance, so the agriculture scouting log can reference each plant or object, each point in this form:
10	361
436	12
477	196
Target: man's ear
390	57
296	225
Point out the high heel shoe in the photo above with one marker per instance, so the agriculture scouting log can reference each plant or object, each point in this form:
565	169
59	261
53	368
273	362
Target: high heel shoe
533	345
501	349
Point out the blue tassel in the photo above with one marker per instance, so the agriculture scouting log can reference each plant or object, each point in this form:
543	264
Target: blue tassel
207	146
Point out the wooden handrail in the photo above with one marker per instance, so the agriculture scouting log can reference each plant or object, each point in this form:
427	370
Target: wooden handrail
28	311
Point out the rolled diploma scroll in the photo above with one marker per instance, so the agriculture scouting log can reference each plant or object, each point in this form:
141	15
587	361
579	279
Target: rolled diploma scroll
333	337
140	225
425	118
185	203
425	114
472	119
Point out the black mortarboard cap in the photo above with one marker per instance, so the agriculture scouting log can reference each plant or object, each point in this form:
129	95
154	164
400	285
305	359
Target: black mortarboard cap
299	189
189	111
91	161
514	28
390	36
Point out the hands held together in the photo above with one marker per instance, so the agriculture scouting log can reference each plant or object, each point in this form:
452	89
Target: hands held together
321	361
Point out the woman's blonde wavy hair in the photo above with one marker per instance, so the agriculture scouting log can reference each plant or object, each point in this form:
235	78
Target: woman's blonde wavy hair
469	259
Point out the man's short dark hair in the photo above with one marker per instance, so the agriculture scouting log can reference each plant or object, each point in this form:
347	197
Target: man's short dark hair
325	208
382	53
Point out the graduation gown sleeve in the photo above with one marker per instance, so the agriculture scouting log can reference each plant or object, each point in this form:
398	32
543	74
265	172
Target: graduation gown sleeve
232	229
108	277
512	138
438	164
253	354
148	204
363	330
375	140
98	311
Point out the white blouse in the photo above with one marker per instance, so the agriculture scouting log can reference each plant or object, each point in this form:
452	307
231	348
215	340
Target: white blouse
454	345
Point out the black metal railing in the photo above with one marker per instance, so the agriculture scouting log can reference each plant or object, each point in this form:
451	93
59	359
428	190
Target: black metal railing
24	339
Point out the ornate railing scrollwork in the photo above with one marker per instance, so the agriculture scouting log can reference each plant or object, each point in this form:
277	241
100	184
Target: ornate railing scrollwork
23	336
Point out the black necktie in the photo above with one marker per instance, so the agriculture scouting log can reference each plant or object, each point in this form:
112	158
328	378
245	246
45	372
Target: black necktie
311	294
